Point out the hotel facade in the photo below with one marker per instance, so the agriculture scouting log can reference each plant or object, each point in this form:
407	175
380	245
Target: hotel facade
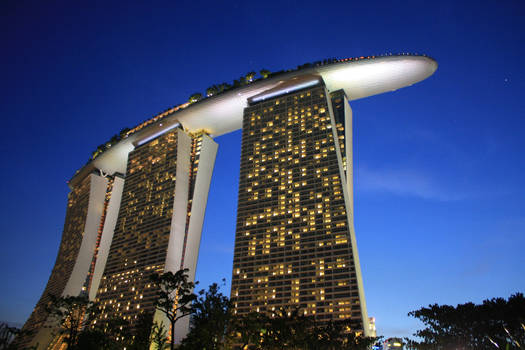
137	208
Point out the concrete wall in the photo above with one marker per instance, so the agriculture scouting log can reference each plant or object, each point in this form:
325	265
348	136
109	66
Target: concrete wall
348	192
107	235
80	272
198	209
180	209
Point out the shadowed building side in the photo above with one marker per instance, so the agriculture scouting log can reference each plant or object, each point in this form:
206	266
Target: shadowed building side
295	244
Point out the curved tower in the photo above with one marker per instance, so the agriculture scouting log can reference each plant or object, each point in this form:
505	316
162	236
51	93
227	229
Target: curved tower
72	271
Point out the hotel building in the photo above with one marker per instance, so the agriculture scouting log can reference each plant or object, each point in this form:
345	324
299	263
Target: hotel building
295	242
137	207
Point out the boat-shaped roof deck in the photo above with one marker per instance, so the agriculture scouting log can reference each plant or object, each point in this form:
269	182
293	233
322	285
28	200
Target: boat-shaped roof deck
217	115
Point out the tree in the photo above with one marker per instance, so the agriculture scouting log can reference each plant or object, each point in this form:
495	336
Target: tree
142	331
264	73
114	139
123	132
287	329
496	323
249	329
223	87
249	77
175	297
329	336
107	334
159	336
195	97
352	341
210	321
71	313
212	90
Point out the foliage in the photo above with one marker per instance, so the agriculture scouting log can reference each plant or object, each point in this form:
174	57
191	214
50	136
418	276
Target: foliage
496	323
142	332
212	90
159	336
7	334
74	313
195	97
291	329
175	297
264	73
110	334
249	329
211	315
112	141
70	313
352	341
117	333
249	77
213	326
288	329
329	336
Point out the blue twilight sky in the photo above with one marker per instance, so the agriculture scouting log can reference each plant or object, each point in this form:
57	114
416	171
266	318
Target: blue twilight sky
439	166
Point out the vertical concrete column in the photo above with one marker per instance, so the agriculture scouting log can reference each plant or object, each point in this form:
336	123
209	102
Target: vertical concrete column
207	156
107	234
80	271
180	203
348	192
180	209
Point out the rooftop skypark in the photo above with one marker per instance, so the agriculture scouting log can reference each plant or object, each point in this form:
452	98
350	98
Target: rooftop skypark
221	88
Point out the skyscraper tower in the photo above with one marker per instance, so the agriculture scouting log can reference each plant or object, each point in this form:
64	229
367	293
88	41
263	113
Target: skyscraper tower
295	242
159	222
119	231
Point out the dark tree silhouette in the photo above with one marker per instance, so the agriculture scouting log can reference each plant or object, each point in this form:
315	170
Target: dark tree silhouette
496	323
175	297
210	321
195	97
249	329
249	77
212	90
141	332
71	313
287	329
107	334
159	337
264	73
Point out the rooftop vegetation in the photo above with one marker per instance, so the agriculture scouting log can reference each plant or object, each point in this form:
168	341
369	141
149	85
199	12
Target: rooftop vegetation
112	141
218	89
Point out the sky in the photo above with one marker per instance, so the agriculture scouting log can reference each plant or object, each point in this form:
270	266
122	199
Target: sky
439	166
